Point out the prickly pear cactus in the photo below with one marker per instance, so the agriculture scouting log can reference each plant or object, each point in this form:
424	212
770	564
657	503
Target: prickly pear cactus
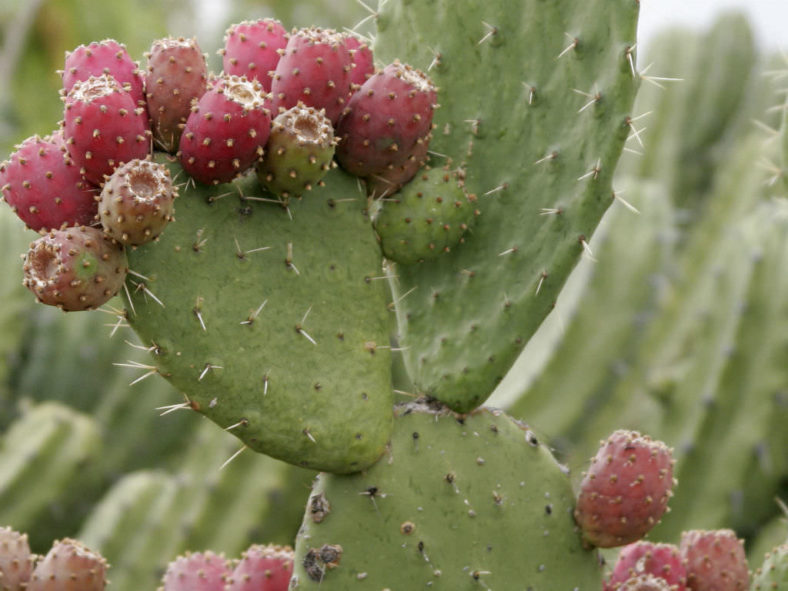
458	502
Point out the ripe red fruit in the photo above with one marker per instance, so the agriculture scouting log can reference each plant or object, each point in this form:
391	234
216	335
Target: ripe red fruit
646	558
715	561
198	571
252	49
263	568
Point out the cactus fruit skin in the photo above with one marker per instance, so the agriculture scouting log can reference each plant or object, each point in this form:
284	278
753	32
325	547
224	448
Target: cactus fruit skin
198	571
69	566
299	152
647	558
715	560
226	130
393	179
645	583
252	49
386	120
75	269
625	491
262	568
16	561
104	57
444	505
176	75
44	188
137	202
315	70
772	575
363	60
427	218
103	128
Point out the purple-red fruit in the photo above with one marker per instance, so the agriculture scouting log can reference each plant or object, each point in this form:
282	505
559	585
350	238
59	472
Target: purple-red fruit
263	568
252	49
393	179
16	562
315	70
198	571
226	131
299	152
103	127
715	561
645	583
625	491
44	188
363	61
69	566
75	269
646	558
386	121
176	76
137	202
104	57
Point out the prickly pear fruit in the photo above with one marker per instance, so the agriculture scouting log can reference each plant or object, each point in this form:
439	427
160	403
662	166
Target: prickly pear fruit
315	70
386	120
103	127
198	571
393	179
252	49
75	269
104	57
44	188
426	218
646	558
137	202
262	568
625	491
772	575
299	151
69	566
226	130
176	75
645	583
363	60
715	560
16	562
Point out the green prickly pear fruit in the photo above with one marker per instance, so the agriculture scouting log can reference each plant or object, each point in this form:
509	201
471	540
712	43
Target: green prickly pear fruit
773	573
298	153
428	217
16	562
69	566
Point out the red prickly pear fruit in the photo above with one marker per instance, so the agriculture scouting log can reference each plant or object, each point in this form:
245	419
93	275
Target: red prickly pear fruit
625	491
104	57
137	202
16	562
103	128
75	269
645	583
263	568
198	571
393	179
646	558
176	75
299	152
69	566
385	121
44	188
715	560
315	70
363	61
226	130
253	48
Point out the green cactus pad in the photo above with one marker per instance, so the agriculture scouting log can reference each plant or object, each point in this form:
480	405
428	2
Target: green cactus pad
459	502
536	102
773	573
426	218
273	321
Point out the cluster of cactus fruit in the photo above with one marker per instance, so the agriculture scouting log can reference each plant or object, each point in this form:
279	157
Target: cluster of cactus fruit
266	302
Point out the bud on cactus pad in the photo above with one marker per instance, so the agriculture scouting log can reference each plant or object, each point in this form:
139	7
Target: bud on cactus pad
625	491
645	583
715	560
137	202
252	49
426	218
177	75
645	558
226	130
262	568
16	562
44	188
299	151
199	571
103	127
69	566
773	573
75	269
